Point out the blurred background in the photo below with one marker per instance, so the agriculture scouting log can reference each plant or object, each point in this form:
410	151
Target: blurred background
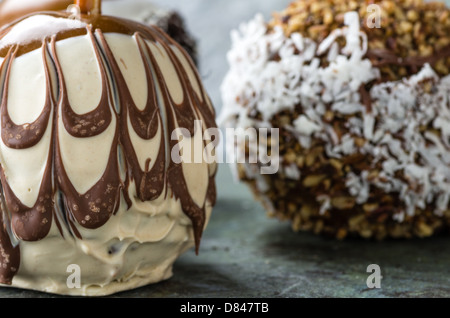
210	22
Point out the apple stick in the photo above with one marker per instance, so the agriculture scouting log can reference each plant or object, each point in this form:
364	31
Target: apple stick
89	6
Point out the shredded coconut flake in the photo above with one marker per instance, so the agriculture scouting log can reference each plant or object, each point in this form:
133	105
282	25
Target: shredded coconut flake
391	127
292	172
305	126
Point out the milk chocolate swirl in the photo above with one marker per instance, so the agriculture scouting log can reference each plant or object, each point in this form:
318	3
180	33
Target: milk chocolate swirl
116	111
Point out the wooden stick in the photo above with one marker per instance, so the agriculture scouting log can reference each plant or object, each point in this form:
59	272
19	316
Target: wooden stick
89	6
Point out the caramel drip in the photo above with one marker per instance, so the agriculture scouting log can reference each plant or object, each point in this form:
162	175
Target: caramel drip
95	207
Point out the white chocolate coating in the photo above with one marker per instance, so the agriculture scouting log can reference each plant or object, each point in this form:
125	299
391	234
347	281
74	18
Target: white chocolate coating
147	239
142	239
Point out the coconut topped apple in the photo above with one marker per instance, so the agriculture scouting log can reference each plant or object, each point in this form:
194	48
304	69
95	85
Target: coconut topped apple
88	106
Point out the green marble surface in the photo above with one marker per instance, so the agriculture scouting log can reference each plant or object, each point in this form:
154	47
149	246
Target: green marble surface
244	254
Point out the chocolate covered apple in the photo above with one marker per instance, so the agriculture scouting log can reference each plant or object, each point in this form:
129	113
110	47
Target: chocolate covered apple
359	93
88	107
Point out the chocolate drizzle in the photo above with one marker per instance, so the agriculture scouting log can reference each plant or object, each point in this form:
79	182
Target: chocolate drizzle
150	183
27	135
95	122
28	224
115	110
185	114
9	254
93	208
382	57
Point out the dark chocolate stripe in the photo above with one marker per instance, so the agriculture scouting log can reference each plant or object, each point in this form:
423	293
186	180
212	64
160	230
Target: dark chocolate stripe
383	57
9	255
95	207
30	224
149	183
26	135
